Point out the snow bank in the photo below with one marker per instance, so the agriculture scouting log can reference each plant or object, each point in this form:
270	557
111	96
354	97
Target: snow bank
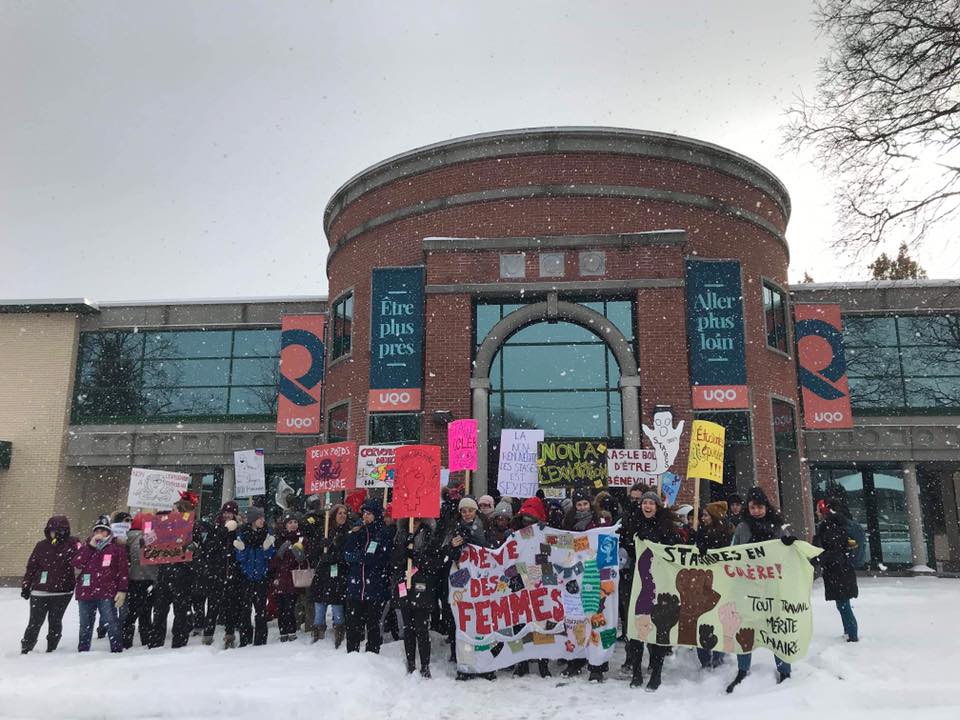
907	661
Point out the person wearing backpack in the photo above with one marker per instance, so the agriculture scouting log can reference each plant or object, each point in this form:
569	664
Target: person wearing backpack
839	575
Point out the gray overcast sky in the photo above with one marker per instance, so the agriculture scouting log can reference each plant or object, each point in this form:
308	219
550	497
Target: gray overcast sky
187	150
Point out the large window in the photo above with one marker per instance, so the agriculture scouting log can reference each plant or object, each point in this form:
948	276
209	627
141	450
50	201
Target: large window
558	377
903	364
338	423
342	316
131	376
775	315
394	429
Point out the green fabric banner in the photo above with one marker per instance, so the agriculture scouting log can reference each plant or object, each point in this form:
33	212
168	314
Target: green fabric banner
732	600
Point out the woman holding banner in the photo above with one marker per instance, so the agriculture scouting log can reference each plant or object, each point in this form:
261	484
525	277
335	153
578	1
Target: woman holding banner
760	522
329	586
713	534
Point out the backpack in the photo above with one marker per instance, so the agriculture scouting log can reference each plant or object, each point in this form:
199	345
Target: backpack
857	551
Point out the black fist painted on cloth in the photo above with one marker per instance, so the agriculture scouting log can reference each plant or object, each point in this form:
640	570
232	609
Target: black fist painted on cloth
665	614
708	640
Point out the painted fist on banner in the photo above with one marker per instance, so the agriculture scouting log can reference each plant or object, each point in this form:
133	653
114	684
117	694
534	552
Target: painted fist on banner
665	615
708	641
731	621
746	638
697	596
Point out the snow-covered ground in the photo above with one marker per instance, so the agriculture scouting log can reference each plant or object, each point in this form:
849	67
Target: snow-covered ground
908	661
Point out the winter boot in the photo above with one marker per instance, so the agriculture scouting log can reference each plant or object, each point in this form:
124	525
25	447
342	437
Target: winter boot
521	669
782	676
316	634
207	640
101	632
425	672
596	675
654	682
320	631
489	676
544	667
741	674
463	677
637	679
229	642
573	669
52	644
339	633
411	667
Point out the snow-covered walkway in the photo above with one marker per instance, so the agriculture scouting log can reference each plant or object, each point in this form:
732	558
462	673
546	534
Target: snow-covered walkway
908	661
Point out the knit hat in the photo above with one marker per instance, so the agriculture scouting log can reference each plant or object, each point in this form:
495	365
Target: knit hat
488	499
652	495
467	502
102	523
231	507
253	514
581	494
374	507
717	511
288	516
534	508
190	497
503	509
314	503
734	499
757	496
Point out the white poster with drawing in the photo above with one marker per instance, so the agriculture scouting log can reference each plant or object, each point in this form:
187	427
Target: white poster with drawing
250	473
156	489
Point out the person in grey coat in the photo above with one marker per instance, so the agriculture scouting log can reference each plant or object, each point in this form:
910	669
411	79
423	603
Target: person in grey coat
143	579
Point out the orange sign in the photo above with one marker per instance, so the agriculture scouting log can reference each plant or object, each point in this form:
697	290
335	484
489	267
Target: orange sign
707	397
394	400
301	374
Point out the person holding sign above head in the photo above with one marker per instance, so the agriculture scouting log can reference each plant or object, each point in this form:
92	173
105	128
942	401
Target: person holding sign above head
329	586
48	583
255	549
760	522
291	556
367	550
174	582
102	576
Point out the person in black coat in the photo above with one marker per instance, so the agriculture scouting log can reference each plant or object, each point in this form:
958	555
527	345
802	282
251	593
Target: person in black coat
329	586
368	549
415	596
839	576
220	576
713	534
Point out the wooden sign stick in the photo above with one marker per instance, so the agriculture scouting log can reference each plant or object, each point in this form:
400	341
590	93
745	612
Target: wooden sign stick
410	560
466	486
696	503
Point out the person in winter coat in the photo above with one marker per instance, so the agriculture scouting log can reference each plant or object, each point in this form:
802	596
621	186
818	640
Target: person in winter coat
839	575
500	524
255	549
143	579
604	502
652	522
486	506
415	595
713	534
101	584
367	549
760	522
119	524
311	527
582	516
734	510
175	584
48	583
291	555
329	586
202	529
628	560
219	576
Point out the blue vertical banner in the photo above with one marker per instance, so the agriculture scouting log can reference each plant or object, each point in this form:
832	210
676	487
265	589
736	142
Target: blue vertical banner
715	337
396	339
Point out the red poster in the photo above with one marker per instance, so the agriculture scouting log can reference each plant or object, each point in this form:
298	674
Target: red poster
823	367
173	533
416	487
301	374
331	468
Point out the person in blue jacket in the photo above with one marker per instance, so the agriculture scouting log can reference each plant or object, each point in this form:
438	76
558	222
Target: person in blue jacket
367	549
254	550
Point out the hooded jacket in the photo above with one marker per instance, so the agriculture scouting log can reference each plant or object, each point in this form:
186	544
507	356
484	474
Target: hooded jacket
331	570
839	576
217	561
103	572
50	567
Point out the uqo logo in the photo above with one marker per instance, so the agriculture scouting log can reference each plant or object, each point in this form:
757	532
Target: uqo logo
296	390
299	422
394	398
828	417
720	395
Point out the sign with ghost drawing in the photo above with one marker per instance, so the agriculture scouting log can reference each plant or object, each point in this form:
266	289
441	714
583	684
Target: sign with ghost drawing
416	487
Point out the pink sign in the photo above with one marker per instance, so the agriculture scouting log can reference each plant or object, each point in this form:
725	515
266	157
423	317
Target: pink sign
462	444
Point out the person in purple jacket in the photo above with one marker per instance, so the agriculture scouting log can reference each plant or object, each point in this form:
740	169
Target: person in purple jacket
101	584
48	583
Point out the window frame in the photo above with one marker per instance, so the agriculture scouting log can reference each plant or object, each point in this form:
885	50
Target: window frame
370	420
329	416
347	295
775	288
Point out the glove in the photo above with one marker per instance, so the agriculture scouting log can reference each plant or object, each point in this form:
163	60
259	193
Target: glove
119	599
25	593
788	539
268	543
149	538
230	525
283	548
238	544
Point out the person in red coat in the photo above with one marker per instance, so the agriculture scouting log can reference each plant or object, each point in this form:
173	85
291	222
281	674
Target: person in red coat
101	584
48	583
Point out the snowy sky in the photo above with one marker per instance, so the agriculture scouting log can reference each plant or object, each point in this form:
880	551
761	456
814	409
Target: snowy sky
187	150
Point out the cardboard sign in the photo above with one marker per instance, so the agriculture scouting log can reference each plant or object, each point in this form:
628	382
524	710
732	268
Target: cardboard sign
156	489
517	469
120	530
572	464
542	594
250	473
627	467
706	451
174	533
301	374
462	444
331	468
416	490
376	466
823	367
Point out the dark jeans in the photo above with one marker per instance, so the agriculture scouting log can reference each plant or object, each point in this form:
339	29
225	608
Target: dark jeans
164	597
849	620
743	663
139	607
364	614
287	613
223	605
416	632
254	598
88	617
708	658
50	608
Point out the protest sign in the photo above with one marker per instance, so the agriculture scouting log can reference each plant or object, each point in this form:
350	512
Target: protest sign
517	469
627	467
331	468
156	489
731	600
174	533
416	491
572	464
249	473
706	451
670	487
120	530
375	466
462	444
544	593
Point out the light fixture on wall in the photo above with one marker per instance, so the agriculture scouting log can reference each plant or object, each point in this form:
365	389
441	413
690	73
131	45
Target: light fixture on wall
442	417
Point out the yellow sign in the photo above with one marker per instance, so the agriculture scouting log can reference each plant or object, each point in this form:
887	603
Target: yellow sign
706	451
